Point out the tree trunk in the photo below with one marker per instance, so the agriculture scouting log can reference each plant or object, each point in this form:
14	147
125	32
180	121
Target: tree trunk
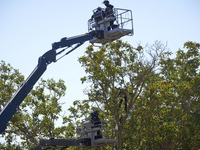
120	138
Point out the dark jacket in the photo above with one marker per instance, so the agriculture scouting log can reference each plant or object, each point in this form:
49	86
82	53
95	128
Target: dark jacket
109	9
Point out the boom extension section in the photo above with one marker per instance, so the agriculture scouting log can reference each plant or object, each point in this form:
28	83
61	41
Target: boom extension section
63	142
49	57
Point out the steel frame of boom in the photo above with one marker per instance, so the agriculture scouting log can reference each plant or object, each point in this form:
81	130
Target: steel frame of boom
50	56
63	142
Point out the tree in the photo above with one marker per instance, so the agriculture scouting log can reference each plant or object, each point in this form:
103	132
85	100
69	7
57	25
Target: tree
10	80
119	67
169	110
162	96
37	115
181	78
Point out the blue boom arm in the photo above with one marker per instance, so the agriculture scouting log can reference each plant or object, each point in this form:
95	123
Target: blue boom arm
49	57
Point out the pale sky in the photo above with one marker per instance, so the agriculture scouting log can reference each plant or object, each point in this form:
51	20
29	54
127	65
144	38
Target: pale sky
28	28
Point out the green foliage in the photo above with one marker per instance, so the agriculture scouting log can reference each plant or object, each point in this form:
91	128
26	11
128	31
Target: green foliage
114	67
170	103
183	94
37	115
10	80
163	109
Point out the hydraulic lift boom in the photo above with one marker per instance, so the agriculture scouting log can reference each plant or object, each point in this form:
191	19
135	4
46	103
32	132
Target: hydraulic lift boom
99	31
47	58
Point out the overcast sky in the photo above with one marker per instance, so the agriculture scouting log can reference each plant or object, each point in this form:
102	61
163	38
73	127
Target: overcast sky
29	27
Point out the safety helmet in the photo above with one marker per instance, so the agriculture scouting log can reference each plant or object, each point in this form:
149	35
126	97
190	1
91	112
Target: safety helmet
106	1
99	8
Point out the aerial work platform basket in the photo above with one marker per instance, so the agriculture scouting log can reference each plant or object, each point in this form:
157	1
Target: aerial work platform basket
115	25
